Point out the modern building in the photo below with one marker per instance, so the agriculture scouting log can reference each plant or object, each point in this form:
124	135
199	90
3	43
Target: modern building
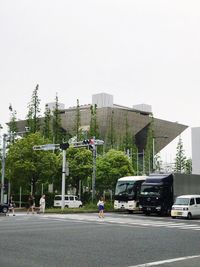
195	150
138	117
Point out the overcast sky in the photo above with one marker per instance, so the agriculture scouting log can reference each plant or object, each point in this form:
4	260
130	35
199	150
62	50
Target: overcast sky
140	51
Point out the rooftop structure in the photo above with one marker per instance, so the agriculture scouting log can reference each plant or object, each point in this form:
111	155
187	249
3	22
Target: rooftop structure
139	118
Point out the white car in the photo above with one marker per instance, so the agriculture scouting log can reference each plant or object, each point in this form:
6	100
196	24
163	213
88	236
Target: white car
71	201
186	206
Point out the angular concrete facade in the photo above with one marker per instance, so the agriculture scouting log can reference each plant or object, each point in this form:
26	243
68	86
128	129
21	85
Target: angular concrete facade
138	122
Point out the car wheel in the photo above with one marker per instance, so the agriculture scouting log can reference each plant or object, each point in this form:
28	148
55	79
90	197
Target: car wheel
173	217
4	209
189	216
66	206
80	206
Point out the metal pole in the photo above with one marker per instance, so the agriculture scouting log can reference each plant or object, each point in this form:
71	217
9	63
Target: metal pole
153	156
94	172
3	168
143	162
20	196
63	179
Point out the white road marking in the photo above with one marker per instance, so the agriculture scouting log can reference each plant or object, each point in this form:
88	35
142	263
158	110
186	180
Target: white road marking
166	261
125	221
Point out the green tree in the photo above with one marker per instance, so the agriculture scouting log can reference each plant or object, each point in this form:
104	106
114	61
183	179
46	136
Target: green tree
47	132
26	167
13	120
148	153
77	122
57	132
188	166
180	159
80	166
94	128
111	138
33	117
111	166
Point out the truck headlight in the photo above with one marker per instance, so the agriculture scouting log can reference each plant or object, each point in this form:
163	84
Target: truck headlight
158	208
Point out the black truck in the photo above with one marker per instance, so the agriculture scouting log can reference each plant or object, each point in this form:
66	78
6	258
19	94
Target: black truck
159	191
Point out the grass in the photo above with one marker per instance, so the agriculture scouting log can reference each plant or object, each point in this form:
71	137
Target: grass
90	207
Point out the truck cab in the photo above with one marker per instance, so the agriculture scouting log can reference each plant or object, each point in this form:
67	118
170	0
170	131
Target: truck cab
156	194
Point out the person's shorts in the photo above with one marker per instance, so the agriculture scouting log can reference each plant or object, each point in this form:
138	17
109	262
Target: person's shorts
101	207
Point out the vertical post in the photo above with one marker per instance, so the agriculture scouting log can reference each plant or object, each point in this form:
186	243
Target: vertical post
94	172
20	196
143	162
153	153
137	161
3	168
42	189
63	179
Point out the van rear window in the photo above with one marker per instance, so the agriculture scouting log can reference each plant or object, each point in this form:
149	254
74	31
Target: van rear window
57	198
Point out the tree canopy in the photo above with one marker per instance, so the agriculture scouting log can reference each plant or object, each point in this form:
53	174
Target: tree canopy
111	166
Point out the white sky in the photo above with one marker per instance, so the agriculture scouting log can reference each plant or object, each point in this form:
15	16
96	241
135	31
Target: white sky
140	51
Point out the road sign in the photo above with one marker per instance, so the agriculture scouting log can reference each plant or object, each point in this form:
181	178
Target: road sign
47	147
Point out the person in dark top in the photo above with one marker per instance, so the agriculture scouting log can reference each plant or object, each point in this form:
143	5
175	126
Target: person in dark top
31	204
11	205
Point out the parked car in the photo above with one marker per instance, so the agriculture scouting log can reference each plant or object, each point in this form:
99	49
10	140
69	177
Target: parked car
186	206
71	201
4	208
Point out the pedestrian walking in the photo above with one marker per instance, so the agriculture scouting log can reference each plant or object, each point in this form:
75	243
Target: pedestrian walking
11	206
31	204
101	206
42	204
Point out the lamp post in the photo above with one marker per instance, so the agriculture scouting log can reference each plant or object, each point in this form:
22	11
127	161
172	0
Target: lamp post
153	148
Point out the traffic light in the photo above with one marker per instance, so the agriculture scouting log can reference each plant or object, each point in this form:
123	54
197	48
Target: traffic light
90	143
64	146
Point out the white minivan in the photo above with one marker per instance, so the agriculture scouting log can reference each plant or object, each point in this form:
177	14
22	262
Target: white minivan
186	206
71	201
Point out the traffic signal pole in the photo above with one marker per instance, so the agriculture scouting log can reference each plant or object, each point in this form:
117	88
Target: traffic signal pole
63	178
90	143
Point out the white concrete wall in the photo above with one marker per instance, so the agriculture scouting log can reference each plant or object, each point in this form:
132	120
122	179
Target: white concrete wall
195	150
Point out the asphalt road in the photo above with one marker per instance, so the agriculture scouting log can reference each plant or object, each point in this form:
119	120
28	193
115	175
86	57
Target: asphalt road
85	240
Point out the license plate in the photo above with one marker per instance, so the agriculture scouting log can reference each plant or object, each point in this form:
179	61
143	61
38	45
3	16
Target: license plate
178	213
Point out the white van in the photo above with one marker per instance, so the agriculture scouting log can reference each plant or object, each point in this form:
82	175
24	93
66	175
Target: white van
71	201
187	206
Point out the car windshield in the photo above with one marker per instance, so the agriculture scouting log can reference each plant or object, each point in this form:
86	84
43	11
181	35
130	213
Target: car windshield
181	201
152	190
125	187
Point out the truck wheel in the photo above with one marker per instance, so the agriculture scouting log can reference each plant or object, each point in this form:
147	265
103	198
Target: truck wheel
189	216
66	206
173	217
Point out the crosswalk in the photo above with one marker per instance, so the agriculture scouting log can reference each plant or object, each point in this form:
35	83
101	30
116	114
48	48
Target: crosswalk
126	221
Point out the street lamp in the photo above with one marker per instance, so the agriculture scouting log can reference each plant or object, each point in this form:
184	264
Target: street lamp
153	148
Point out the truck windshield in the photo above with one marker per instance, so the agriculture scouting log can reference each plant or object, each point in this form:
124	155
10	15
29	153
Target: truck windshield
152	190
181	201
125	188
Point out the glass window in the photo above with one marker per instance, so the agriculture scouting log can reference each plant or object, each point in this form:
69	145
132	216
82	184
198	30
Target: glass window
198	200
66	198
191	201
71	198
181	201
57	197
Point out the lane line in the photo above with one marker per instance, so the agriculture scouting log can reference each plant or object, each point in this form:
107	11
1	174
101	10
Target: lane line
166	261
